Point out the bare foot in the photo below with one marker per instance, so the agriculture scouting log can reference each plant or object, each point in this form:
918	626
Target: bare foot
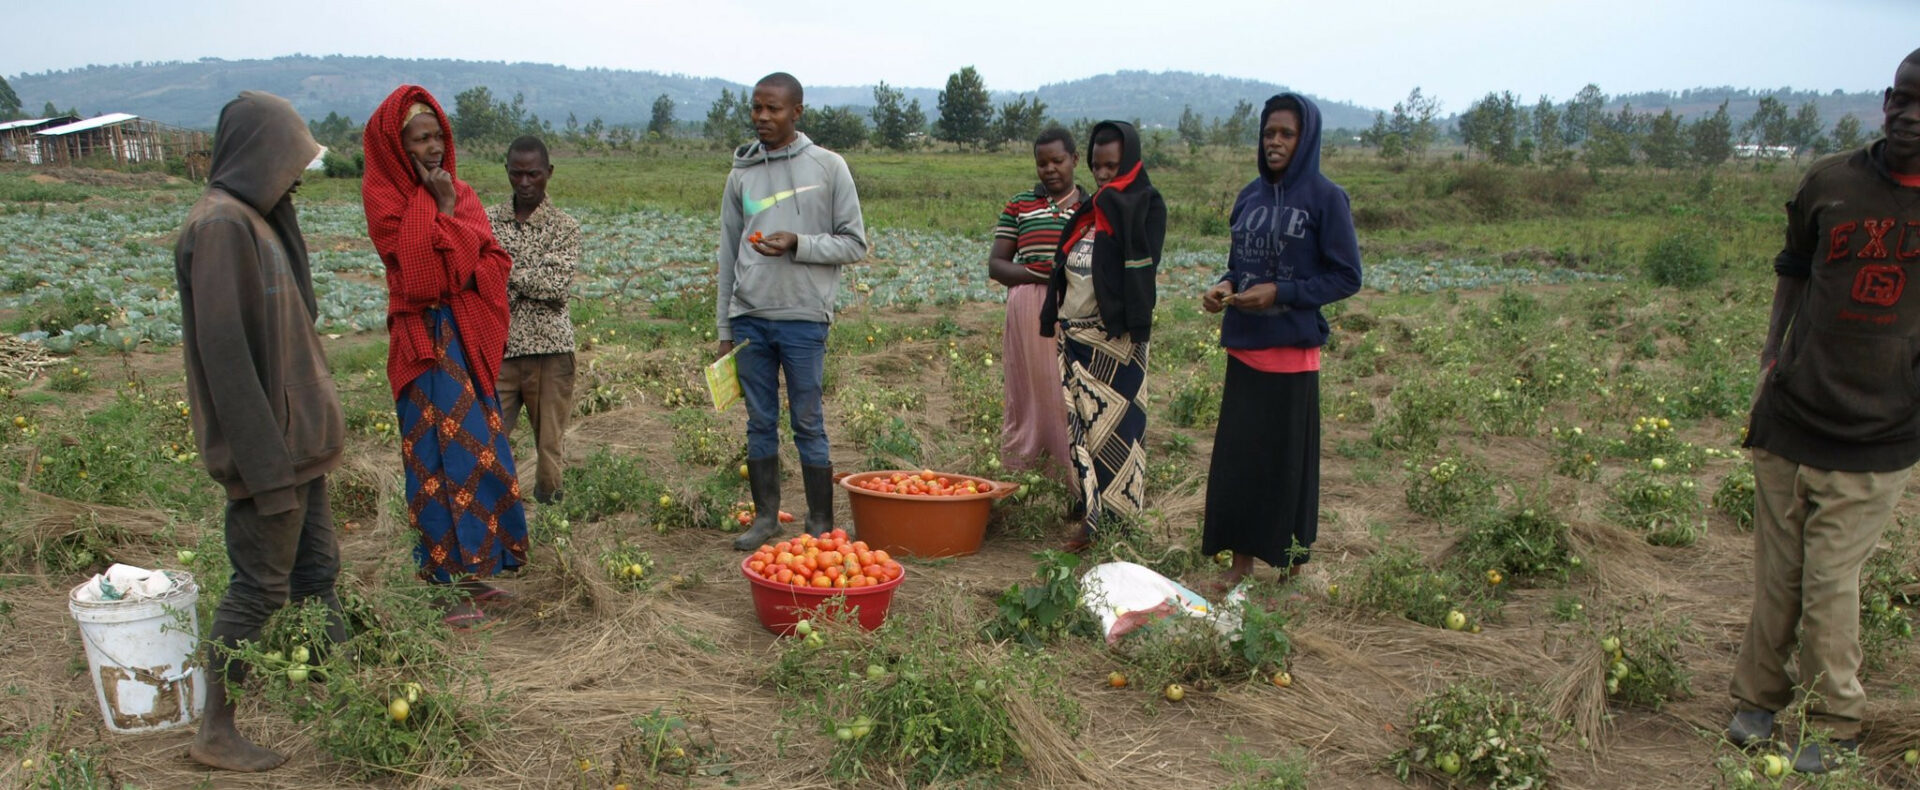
230	751
1215	588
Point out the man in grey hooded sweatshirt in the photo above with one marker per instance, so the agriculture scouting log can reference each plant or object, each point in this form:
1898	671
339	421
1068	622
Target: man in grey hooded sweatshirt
265	412
790	218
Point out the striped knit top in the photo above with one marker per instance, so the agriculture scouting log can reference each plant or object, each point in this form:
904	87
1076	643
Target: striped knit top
1034	223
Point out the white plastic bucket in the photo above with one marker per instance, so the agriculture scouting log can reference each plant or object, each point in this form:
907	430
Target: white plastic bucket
141	654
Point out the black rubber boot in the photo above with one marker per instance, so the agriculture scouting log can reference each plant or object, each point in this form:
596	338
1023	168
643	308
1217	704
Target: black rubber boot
819	483
763	478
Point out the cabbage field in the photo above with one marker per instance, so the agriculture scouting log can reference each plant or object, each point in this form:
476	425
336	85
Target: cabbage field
1533	567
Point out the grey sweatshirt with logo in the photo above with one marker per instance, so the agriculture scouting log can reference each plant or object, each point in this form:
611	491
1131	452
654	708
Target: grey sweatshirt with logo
805	190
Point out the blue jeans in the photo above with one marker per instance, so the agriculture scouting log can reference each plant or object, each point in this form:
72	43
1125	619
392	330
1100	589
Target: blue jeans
800	349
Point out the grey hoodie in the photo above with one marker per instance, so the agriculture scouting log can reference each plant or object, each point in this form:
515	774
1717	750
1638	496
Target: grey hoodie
805	190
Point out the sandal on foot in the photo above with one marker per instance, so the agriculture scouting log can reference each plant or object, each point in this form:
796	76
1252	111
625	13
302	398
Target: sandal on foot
464	617
494	595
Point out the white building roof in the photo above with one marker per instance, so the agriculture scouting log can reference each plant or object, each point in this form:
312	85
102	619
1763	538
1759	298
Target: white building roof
23	122
91	123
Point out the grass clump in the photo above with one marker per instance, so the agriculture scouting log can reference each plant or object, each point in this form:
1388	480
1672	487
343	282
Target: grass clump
1687	259
1643	663
1396	580
1473	731
1526	545
919	699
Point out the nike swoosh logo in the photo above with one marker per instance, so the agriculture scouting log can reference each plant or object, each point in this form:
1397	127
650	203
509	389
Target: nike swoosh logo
753	207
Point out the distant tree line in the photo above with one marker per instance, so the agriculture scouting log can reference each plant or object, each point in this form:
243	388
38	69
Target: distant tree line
1506	130
1500	126
968	118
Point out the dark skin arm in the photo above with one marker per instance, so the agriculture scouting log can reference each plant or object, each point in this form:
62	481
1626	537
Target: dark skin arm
1787	295
1003	270
439	184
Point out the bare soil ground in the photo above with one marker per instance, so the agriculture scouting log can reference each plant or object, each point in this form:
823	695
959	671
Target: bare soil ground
578	665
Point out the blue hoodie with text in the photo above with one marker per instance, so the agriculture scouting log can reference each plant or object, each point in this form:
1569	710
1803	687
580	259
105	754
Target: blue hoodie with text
1295	231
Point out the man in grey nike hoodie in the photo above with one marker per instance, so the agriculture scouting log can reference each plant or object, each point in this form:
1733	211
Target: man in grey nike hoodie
790	218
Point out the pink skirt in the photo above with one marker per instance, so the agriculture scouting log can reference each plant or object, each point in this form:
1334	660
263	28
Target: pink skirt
1033	433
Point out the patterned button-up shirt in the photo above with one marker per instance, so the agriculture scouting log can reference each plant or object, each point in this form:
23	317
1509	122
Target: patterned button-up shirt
545	249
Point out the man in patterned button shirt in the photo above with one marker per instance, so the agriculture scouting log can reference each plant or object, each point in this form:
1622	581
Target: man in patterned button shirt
538	369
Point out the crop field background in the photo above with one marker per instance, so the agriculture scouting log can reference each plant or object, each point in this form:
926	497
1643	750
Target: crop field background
1532	411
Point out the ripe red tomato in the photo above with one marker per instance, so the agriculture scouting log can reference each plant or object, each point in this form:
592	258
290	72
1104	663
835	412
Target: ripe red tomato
828	562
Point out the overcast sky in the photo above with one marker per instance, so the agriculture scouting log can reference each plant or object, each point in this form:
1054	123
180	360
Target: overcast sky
1366	51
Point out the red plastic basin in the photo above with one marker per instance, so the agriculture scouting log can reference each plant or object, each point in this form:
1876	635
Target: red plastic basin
779	606
922	526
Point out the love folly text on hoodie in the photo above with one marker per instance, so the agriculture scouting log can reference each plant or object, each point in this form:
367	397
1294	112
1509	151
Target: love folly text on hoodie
1295	231
805	190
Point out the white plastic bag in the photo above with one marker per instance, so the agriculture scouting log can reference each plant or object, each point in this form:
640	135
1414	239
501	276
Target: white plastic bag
125	582
1125	596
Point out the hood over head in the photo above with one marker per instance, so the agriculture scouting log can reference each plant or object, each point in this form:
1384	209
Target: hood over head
1305	162
389	167
260	149
1120	207
1129	145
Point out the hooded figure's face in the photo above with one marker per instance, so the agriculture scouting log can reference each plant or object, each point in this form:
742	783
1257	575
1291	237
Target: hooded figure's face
1279	139
424	140
1104	160
260	149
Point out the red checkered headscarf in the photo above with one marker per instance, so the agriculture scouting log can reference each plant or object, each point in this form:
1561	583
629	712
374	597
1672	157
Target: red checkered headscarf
431	259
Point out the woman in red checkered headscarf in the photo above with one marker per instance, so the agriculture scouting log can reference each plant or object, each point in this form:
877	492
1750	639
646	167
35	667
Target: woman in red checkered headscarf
447	319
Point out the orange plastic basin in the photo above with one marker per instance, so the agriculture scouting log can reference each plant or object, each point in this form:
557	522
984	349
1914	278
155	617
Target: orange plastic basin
780	606
923	526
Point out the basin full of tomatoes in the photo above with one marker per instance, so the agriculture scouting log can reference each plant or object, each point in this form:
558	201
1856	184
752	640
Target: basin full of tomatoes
828	561
925	483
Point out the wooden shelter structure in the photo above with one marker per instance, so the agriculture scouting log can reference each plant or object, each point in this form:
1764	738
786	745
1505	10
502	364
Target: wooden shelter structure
118	137
17	143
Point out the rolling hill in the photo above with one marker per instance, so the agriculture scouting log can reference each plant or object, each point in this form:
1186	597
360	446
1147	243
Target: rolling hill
191	93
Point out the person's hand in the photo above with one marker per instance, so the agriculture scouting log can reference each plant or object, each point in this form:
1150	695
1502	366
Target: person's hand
1256	298
776	244
1215	299
439	184
726	347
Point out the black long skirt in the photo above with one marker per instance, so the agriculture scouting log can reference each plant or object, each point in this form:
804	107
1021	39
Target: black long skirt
1263	488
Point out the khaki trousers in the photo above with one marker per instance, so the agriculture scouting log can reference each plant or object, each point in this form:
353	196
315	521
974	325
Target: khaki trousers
544	384
1812	532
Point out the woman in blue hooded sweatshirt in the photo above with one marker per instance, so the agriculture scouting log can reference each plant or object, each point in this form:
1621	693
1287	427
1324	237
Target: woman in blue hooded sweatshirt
1294	250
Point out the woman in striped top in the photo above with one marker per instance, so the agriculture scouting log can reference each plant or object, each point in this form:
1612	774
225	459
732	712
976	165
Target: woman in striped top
1033	432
